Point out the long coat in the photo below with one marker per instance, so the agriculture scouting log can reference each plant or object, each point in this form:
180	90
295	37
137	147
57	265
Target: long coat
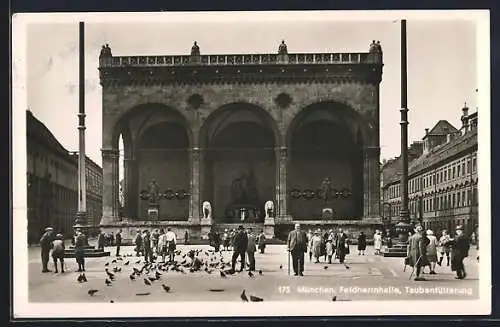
315	245
251	247
361	242
297	241
417	246
342	244
459	250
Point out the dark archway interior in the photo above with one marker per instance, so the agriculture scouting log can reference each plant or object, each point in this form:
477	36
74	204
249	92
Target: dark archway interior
239	167
322	148
163	156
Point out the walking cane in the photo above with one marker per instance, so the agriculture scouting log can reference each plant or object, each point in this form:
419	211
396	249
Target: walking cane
416	263
289	262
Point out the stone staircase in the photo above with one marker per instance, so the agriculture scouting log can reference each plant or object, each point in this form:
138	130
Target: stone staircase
397	251
89	252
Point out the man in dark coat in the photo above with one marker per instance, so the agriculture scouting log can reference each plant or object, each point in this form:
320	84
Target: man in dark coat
297	246
148	251
101	241
80	242
342	245
118	242
45	246
240	243
459	251
417	246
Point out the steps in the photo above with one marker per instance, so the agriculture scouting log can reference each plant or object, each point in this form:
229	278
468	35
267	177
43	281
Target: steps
89	252
397	251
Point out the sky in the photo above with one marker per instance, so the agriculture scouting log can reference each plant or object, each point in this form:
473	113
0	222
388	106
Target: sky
442	63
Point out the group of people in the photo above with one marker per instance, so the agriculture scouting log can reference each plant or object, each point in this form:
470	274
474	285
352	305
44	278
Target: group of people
244	243
51	241
155	244
105	239
228	236
327	244
317	244
426	250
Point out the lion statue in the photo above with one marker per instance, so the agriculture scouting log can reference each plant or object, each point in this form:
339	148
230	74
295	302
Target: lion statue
207	210
269	208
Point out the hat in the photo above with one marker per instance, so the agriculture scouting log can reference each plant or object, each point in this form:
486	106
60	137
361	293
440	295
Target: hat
419	228
48	229
225	230
240	227
59	236
459	227
429	232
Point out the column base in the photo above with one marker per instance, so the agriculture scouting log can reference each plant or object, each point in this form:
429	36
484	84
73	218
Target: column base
206	226
269	224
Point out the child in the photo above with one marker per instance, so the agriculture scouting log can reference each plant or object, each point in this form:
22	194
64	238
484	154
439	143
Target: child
58	252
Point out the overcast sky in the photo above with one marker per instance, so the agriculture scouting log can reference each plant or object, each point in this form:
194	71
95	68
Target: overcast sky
442	72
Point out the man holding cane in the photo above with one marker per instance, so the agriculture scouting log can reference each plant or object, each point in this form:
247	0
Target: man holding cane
297	246
417	256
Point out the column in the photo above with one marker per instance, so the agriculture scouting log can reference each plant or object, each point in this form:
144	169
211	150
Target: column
371	182
194	185
109	186
281	189
128	187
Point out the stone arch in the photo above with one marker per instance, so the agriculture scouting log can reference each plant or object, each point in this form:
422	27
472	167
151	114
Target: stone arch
148	110
346	111
239	142
223	115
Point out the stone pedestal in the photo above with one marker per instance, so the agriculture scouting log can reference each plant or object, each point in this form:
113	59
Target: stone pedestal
269	227
206	226
153	211
327	213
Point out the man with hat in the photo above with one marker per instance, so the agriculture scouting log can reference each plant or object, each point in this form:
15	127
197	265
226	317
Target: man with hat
417	246
80	242
58	252
459	251
240	244
297	246
45	246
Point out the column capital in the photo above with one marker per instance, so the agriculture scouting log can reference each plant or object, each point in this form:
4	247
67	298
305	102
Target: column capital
110	153
371	151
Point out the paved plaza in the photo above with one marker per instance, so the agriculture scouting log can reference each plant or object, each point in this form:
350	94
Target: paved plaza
368	277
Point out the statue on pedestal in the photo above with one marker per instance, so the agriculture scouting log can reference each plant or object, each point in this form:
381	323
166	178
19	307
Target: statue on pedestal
269	207
326	189
195	49
282	48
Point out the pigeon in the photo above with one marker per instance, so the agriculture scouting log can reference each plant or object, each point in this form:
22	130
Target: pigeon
143	294
111	301
151	279
114	261
136	271
108	282
334	298
84	278
138	262
92	292
222	274
256	299
281	266
146	281
166	288
260	272
347	267
106	264
132	277
325	267
81	278
126	263
250	274
243	296
157	275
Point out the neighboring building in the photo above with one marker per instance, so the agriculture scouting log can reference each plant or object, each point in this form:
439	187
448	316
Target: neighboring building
52	190
442	181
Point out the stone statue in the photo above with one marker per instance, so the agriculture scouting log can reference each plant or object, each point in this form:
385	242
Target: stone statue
325	189
269	207
154	191
195	49
375	46
105	51
283	48
207	210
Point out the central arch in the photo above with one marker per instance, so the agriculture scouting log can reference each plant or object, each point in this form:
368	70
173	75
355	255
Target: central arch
326	140
239	173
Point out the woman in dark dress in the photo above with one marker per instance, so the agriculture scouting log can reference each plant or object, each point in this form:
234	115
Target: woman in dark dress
361	243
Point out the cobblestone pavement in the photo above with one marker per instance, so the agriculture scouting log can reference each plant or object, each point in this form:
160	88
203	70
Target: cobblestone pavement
369	277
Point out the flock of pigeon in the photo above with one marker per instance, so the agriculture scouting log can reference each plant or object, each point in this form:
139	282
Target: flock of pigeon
152	272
